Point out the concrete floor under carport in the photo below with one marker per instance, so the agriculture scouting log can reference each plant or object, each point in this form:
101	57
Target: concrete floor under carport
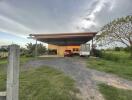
50	56
61	49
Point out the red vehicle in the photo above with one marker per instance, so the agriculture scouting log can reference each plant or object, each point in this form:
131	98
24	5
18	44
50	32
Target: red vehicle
68	53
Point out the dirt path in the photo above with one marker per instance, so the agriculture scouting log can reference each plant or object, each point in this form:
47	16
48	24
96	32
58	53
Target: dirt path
86	79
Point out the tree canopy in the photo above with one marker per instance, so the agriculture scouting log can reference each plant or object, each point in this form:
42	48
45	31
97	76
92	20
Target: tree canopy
30	49
119	30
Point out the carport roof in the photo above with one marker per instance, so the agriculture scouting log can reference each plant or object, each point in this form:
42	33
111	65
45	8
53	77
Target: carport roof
64	38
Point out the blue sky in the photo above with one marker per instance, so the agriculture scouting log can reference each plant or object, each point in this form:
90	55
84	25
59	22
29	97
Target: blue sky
19	18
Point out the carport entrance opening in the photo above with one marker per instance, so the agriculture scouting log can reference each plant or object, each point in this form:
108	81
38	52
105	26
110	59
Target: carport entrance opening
64	41
61	49
52	51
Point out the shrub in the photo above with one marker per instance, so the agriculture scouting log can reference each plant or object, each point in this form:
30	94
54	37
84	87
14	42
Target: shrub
28	55
29	51
97	53
110	56
117	48
106	55
126	49
23	51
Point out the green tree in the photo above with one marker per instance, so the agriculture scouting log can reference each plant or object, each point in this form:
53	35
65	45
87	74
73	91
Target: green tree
3	50
41	49
23	51
31	49
119	30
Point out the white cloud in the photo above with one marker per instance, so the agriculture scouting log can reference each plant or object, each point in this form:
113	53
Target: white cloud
11	26
97	6
113	4
22	17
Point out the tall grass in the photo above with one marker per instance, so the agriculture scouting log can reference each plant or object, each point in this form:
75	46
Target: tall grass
116	62
117	56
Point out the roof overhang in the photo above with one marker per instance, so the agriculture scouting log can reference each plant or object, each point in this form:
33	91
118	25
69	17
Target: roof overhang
64	38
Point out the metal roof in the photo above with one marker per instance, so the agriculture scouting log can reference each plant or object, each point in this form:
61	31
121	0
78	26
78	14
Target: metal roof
64	38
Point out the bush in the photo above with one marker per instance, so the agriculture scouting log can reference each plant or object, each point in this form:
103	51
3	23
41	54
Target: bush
28	55
117	48
23	51
29	51
97	53
110	56
126	49
106	55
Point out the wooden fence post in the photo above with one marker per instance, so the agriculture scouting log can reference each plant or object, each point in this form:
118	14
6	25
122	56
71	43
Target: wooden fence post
13	73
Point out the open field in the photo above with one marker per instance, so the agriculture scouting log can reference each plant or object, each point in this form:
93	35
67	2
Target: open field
41	83
117	63
121	67
86	79
119	56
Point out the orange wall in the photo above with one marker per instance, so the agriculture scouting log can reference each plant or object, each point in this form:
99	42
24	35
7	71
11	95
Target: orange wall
61	49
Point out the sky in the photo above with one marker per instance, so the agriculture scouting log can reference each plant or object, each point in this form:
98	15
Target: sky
19	18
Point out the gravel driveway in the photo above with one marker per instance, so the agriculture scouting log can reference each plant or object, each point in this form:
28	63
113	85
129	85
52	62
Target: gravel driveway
86	79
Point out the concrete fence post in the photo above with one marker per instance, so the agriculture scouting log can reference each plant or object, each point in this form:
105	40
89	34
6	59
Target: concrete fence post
36	48
13	73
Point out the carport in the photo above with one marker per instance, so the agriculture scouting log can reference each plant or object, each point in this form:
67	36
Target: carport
62	41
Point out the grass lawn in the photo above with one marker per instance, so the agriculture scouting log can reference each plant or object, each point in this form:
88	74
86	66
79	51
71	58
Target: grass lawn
42	83
111	93
46	84
3	63
119	68
3	68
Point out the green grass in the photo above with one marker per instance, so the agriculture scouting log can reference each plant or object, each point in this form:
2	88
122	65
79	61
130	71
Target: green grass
117	56
119	68
116	62
23	60
111	93
46	84
3	69
42	83
3	63
2	82
120	54
123	57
